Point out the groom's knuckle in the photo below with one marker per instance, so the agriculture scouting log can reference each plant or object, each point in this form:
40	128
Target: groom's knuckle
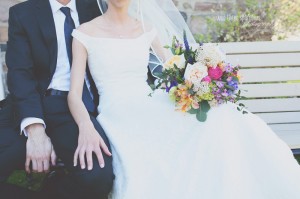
39	159
89	150
82	148
97	150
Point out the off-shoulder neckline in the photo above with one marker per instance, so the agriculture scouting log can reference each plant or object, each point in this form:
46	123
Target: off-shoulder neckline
114	38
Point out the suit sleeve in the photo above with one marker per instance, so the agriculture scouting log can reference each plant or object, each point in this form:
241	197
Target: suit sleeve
22	83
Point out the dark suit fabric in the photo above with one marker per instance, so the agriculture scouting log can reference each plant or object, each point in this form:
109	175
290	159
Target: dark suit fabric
31	59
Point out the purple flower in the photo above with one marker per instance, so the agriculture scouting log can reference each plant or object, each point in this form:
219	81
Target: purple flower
229	79
220	84
229	92
228	68
220	101
172	84
190	60
233	84
178	45
225	94
186	43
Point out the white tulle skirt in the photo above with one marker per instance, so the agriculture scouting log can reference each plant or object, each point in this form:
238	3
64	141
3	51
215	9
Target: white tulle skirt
159	153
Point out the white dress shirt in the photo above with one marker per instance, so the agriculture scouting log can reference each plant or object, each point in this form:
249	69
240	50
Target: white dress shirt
61	77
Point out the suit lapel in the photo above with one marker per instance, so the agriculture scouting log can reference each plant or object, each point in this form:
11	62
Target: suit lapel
46	22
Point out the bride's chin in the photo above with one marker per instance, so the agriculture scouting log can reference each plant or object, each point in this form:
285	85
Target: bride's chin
119	3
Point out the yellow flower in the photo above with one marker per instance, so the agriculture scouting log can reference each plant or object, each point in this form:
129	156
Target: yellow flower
222	65
239	76
172	94
176	59
207	96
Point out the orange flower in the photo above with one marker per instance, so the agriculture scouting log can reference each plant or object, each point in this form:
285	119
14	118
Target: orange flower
222	65
186	100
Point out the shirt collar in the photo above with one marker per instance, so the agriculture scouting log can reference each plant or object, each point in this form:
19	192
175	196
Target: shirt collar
55	5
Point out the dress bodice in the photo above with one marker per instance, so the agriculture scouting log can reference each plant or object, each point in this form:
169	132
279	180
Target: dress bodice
118	65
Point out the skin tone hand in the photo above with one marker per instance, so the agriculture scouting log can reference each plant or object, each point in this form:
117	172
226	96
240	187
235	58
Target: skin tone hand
89	142
39	150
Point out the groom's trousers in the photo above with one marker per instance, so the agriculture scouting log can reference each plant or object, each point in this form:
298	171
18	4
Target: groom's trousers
12	154
63	131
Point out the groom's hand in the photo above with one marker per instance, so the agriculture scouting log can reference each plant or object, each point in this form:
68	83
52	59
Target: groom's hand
39	150
89	142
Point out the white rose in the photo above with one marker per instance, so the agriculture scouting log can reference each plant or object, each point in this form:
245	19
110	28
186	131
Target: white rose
210	55
195	73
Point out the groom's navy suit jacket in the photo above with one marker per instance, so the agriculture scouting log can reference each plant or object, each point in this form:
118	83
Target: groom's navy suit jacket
32	53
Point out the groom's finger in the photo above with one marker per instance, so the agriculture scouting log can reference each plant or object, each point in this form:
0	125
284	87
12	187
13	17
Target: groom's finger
99	157
34	166
76	157
53	158
105	148
40	167
27	165
46	166
81	158
89	159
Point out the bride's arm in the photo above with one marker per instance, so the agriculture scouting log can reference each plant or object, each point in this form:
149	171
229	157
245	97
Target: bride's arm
163	53
89	140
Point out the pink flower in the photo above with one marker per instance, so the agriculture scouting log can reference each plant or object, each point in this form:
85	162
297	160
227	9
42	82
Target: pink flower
215	73
206	79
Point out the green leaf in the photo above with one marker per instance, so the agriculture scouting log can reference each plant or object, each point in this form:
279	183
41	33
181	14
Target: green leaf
173	51
193	111
152	86
158	75
204	106
229	87
235	78
241	105
201	116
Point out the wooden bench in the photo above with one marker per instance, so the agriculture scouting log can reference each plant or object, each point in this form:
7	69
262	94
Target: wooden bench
271	78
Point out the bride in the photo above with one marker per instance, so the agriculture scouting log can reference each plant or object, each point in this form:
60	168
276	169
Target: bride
159	153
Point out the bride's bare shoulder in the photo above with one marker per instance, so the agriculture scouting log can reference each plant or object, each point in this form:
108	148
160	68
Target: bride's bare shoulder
93	27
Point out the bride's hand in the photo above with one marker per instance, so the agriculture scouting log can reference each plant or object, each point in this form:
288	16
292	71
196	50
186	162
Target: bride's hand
90	142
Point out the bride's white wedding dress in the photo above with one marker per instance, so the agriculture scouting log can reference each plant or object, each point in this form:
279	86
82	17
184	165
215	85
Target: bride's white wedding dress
159	153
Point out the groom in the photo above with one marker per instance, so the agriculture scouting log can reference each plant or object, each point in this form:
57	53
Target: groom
39	59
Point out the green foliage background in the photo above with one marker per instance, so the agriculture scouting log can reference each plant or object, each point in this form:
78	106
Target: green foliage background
254	20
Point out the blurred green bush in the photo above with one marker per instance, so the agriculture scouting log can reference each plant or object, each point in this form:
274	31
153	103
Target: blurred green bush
254	20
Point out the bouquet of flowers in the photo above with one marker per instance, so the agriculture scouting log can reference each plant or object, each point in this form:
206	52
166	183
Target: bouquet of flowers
199	79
